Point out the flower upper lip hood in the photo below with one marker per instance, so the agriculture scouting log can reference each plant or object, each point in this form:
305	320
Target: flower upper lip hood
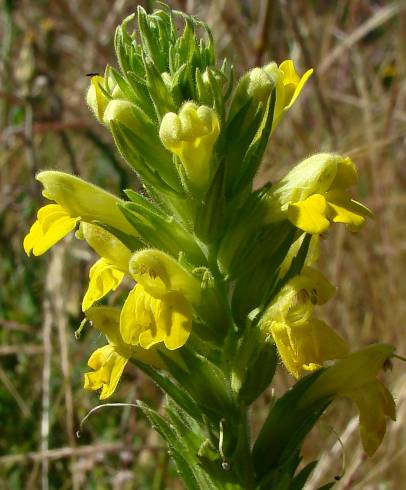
82	199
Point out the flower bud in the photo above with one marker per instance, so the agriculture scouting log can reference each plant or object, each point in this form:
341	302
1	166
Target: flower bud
83	200
96	99
191	136
255	84
123	112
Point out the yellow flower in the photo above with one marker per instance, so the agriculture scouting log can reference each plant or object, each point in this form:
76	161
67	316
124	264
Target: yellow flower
53	223
76	200
82	199
108	362
108	366
98	93
355	378
103	278
259	83
108	272
304	342
96	98
314	194
191	136
288	86
147	321
160	274
306	346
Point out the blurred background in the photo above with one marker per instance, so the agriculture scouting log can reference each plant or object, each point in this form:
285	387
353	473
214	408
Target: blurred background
354	104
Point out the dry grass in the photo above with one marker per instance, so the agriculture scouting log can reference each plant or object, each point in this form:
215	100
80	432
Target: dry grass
356	104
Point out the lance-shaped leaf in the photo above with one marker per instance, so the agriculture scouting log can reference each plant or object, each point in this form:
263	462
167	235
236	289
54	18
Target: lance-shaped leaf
205	383
133	151
162	232
210	217
253	157
260	371
252	288
286	426
186	464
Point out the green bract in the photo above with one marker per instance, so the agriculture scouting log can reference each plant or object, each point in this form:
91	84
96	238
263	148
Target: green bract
218	280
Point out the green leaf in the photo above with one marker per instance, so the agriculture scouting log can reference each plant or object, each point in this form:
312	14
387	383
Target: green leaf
210	217
327	486
176	449
161	232
262	265
286	426
239	135
134	150
176	392
300	479
158	91
252	158
147	25
205	383
259	373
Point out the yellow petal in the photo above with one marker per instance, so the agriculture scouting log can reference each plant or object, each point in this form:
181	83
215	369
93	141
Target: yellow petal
95	98
299	87
282	337
104	277
310	215
108	367
375	403
136	315
344	210
147	321
346	175
175	320
351	373
318	287
305	347
107	320
53	223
